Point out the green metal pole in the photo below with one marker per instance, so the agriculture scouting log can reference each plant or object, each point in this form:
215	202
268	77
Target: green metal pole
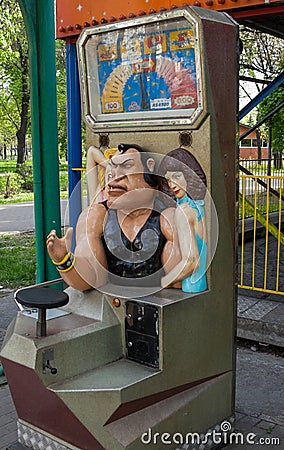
39	21
48	124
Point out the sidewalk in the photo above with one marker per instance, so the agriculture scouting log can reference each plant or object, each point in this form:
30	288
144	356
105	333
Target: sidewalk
261	320
20	216
259	389
8	418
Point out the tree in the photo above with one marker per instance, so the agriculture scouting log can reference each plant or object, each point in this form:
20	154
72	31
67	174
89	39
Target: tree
275	123
14	84
261	60
61	98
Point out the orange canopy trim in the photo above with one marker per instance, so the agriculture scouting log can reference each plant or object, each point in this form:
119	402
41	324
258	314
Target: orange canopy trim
74	15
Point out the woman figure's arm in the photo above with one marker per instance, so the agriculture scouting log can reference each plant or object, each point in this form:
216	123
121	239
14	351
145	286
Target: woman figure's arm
94	157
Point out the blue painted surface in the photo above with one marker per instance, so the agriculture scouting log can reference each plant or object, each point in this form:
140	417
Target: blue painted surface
262	95
74	134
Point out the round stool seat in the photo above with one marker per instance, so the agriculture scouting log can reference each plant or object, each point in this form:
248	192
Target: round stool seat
42	298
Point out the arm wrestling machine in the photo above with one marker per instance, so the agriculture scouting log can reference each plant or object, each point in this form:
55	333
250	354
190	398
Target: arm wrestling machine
113	372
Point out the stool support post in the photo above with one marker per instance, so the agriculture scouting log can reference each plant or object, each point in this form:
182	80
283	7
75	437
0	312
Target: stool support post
41	323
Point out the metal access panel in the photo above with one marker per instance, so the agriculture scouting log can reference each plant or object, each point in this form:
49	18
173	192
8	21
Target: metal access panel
142	333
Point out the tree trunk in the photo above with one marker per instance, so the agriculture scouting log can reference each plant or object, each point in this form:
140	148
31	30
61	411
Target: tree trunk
21	154
276	154
258	140
277	160
8	188
21	133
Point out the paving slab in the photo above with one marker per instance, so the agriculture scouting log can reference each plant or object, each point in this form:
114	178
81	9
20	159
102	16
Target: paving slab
8	418
262	321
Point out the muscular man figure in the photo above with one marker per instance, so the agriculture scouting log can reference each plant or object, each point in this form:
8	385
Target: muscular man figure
131	235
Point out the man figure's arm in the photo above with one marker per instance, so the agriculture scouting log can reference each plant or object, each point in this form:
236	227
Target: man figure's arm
88	267
171	255
185	219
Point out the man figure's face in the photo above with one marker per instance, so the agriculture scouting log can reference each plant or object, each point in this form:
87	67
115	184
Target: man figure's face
125	183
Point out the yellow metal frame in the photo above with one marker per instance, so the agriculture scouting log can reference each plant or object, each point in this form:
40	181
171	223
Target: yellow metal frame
252	208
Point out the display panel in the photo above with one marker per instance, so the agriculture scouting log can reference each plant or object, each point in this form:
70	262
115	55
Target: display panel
148	73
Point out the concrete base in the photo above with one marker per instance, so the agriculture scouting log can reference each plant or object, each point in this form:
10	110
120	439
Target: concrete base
99	399
37	440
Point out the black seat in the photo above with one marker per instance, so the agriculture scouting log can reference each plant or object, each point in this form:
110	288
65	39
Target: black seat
42	298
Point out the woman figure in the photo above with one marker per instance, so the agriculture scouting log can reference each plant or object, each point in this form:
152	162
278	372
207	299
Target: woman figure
184	179
96	165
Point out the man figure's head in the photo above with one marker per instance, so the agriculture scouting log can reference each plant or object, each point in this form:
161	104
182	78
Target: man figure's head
130	177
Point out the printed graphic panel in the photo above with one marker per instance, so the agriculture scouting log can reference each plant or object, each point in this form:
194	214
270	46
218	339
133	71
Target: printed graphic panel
150	71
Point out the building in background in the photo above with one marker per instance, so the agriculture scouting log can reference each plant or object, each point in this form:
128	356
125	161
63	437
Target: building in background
248	146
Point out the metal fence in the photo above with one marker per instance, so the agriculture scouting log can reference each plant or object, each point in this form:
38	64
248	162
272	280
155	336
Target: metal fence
265	167
261	241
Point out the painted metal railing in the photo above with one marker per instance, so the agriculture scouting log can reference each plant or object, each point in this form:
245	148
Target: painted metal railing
264	167
261	241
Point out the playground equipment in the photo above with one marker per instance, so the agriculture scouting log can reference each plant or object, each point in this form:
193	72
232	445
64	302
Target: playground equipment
115	370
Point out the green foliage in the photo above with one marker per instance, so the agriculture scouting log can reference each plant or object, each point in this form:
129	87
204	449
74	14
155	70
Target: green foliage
10	184
17	260
63	166
63	179
262	56
26	172
21	181
13	183
3	182
7	165
24	196
275	123
61	98
14	79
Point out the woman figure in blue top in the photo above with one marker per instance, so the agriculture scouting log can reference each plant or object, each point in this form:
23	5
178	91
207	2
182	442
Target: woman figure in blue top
184	179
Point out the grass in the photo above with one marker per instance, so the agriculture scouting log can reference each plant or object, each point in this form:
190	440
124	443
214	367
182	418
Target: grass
261	199
18	198
8	165
17	251
25	197
17	260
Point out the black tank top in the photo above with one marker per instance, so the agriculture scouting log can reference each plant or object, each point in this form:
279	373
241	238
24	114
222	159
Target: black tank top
137	262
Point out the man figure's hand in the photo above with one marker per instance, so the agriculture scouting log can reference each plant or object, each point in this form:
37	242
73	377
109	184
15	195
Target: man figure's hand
58	247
